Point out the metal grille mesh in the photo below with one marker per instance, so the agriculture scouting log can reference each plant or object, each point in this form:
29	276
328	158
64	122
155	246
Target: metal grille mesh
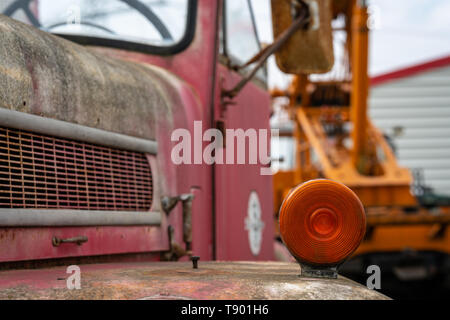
38	171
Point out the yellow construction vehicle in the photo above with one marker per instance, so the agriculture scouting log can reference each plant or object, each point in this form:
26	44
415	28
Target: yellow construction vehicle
333	138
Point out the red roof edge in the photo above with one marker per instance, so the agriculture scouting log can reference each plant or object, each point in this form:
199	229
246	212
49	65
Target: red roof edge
409	71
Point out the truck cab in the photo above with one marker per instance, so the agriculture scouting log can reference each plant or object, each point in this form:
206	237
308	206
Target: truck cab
105	121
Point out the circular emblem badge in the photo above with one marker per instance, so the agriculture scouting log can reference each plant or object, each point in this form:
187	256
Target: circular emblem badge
253	223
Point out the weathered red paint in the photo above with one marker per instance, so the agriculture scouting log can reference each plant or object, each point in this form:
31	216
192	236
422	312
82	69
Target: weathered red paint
178	280
36	243
235	182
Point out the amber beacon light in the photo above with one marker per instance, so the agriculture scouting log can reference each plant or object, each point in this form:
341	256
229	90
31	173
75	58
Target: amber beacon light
322	222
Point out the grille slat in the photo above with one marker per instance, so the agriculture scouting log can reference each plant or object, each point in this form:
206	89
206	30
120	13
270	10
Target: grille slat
39	171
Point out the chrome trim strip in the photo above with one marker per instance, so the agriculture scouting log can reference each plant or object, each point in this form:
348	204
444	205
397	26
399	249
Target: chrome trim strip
63	129
59	218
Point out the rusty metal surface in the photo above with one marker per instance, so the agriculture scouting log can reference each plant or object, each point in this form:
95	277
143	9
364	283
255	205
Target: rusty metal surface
178	280
48	76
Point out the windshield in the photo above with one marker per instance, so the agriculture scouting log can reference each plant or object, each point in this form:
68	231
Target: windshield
152	22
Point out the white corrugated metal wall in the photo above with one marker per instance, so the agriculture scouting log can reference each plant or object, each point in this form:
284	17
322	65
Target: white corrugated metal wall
419	103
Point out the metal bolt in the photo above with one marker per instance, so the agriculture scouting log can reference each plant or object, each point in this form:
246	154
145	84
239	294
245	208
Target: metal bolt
194	260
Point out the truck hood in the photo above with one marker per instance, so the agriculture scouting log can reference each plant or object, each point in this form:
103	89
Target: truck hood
49	76
178	280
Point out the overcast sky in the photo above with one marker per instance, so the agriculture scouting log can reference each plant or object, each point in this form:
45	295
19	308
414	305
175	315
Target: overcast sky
407	32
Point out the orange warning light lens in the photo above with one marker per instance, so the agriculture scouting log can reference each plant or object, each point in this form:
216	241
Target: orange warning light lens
322	222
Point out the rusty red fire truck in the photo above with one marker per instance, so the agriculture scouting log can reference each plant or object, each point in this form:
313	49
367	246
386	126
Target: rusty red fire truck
90	95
